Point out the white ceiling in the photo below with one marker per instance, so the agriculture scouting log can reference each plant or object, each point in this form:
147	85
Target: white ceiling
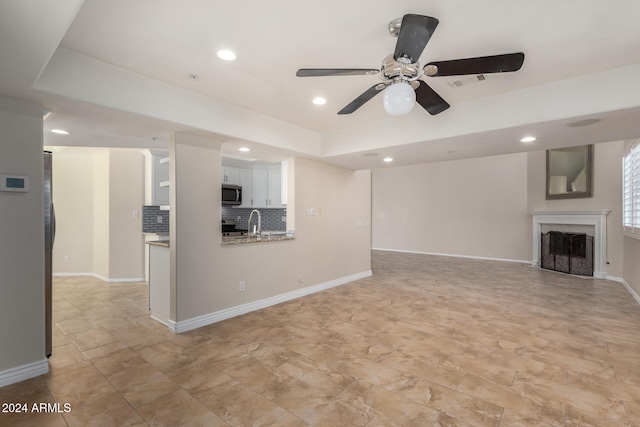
115	73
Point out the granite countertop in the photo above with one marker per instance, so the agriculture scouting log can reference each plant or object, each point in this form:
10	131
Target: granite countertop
161	243
266	237
238	240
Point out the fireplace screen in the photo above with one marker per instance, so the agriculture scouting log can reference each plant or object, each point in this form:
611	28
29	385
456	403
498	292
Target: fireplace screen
570	253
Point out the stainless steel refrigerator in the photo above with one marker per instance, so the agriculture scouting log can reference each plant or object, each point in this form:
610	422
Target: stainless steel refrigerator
49	237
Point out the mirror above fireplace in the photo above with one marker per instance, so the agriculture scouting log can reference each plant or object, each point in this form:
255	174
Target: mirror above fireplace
570	172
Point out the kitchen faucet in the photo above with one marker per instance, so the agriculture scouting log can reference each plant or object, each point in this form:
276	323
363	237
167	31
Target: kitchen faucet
258	233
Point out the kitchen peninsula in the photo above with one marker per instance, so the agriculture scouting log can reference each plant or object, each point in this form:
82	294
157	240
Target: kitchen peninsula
276	236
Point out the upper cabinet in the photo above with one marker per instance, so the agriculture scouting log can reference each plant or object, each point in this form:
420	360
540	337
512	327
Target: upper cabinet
261	183
156	169
260	193
231	175
266	186
246	182
274	182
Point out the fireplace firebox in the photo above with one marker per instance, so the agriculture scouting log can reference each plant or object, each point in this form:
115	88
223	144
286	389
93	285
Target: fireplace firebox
570	253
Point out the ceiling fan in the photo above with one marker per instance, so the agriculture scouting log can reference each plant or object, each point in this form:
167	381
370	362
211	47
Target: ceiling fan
401	72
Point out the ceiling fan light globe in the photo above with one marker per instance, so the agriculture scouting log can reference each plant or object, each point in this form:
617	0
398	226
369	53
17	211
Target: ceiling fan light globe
399	99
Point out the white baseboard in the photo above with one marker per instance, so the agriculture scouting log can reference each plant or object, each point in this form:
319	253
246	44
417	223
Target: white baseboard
160	318
207	319
454	255
126	280
633	293
24	372
72	274
104	279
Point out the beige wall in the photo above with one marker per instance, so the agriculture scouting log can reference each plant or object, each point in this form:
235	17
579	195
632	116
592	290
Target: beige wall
475	207
607	194
95	193
126	195
21	239
480	207
205	275
73	199
101	215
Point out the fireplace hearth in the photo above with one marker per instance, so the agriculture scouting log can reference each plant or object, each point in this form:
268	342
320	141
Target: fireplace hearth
570	253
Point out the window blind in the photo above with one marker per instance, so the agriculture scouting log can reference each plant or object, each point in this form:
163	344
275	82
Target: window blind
631	191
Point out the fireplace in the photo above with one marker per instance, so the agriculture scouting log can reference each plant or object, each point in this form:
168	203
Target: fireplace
574	222
570	253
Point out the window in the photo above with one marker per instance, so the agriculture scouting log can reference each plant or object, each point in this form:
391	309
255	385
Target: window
631	190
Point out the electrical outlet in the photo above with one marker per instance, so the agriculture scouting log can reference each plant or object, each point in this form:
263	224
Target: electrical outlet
136	214
242	286
159	219
67	259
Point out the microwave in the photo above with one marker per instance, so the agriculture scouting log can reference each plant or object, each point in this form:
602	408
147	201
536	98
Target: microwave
231	195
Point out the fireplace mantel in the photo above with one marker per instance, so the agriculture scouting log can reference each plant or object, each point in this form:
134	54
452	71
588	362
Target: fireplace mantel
596	218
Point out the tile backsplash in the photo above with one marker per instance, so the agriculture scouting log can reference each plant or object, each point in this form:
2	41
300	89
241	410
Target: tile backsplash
150	218
271	218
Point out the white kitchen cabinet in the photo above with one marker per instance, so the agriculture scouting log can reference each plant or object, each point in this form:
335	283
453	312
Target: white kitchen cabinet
260	193
284	182
274	180
246	181
267	190
231	175
261	182
159	282
156	169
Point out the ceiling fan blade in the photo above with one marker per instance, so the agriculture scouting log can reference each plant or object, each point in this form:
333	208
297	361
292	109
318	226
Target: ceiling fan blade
319	72
429	99
359	101
415	32
480	65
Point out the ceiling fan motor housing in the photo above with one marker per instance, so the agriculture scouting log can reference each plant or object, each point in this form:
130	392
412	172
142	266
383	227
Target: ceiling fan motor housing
392	70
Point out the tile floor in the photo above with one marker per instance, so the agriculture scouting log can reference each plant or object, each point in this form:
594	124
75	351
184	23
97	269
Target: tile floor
426	341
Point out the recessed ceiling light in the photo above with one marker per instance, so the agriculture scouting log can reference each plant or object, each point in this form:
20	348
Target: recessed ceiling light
388	159
319	100
528	139
60	131
226	55
244	149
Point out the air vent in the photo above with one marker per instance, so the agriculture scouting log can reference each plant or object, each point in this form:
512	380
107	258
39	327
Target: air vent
581	123
467	81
